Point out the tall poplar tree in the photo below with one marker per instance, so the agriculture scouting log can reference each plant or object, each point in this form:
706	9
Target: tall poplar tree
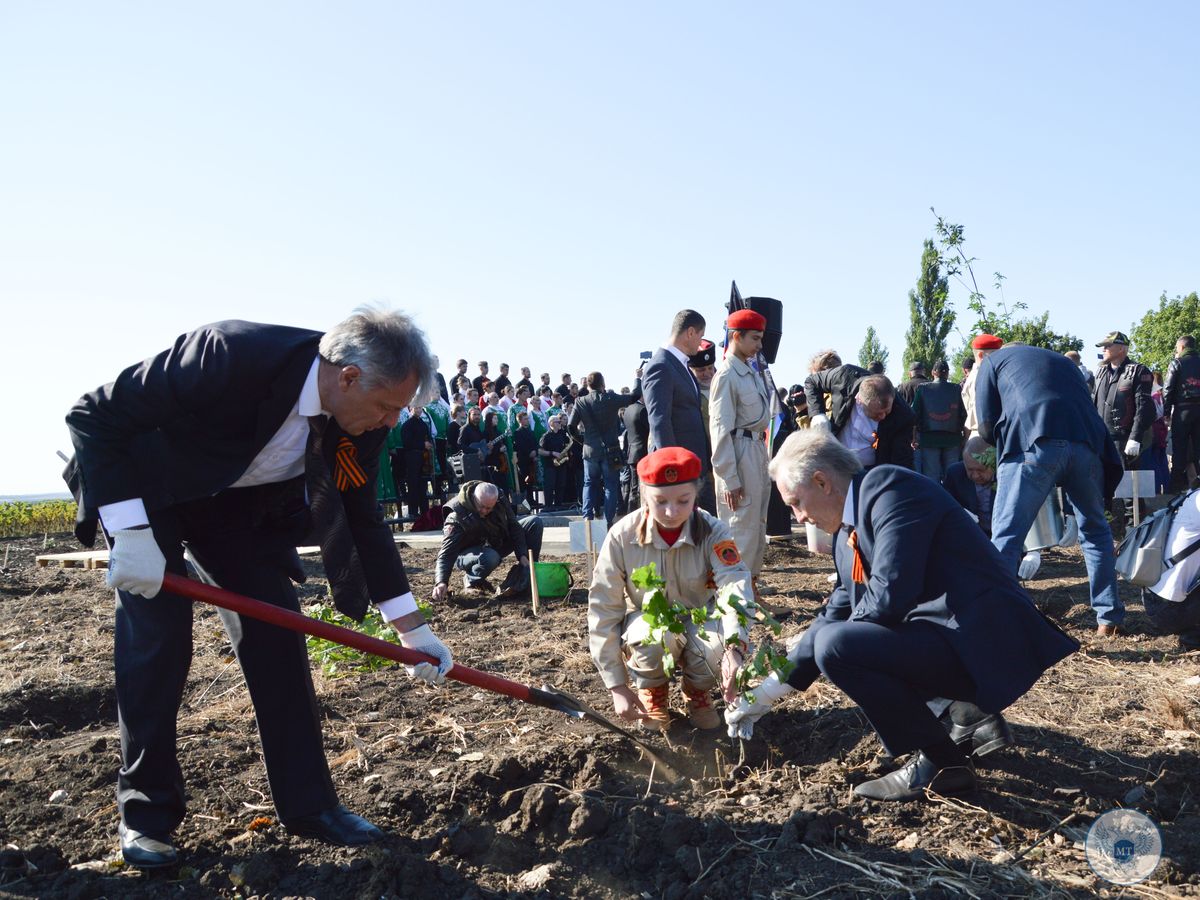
931	317
872	349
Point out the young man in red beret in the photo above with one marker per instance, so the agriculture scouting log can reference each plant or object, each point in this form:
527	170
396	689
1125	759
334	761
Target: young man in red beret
739	411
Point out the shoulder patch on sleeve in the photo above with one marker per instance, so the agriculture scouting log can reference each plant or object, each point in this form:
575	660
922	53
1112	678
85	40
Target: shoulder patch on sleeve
727	552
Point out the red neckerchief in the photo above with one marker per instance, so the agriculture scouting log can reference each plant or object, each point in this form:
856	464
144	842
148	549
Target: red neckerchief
670	535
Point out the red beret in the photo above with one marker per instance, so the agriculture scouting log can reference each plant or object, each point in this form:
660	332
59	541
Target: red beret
987	342
746	320
670	465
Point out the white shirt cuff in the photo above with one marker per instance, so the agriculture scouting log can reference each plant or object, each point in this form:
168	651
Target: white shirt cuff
123	514
398	607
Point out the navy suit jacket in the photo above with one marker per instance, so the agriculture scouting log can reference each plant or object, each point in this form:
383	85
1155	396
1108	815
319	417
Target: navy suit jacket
926	561
961	488
672	399
188	422
1023	394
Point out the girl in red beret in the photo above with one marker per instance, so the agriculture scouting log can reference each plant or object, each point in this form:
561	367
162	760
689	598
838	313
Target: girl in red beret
695	554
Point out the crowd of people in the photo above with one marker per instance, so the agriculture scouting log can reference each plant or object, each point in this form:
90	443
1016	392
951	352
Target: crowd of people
288	436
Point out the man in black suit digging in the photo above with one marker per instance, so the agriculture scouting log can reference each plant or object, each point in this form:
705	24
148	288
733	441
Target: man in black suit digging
236	444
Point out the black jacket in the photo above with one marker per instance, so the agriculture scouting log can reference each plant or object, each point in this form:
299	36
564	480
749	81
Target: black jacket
840	384
464	528
1182	384
637	432
188	422
1122	397
600	414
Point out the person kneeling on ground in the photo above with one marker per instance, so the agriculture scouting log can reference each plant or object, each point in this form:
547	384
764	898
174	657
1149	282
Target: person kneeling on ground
695	554
925	619
972	482
479	531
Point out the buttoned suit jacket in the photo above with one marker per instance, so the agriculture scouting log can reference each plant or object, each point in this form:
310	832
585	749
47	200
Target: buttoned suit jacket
186	423
1024	394
672	400
926	561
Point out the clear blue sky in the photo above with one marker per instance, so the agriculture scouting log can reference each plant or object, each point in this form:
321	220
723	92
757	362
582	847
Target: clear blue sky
547	183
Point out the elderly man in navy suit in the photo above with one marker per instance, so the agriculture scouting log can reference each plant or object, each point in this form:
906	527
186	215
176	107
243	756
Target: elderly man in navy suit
672	398
1034	408
237	443
924	619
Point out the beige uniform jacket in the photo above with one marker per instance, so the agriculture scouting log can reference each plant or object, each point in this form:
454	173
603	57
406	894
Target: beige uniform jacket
693	575
968	399
738	400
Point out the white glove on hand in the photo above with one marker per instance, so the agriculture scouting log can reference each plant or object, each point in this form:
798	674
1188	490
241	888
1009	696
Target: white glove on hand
974	518
1133	448
136	564
425	641
820	422
1070	532
742	715
1030	563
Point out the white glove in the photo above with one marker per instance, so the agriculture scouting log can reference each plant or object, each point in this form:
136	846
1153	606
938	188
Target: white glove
820	422
1133	448
742	715
974	518
136	564
1030	563
1070	532
425	641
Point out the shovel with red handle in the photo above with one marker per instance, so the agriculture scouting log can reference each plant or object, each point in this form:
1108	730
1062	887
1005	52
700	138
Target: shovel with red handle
545	696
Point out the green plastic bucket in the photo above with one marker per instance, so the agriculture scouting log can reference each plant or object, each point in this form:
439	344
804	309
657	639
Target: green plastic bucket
554	579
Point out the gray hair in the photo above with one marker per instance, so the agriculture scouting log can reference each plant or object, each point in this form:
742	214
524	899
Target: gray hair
485	490
807	452
386	345
875	387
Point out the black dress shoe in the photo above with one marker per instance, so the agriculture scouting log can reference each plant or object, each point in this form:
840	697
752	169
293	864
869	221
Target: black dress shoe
335	826
145	851
985	736
912	780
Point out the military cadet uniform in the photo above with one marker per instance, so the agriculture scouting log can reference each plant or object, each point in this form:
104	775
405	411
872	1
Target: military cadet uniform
1181	405
696	563
1122	398
971	421
739	411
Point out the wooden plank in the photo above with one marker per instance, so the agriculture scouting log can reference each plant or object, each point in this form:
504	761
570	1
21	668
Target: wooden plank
85	559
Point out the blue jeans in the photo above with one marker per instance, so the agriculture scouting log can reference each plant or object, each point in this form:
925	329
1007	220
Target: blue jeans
601	481
1024	480
932	462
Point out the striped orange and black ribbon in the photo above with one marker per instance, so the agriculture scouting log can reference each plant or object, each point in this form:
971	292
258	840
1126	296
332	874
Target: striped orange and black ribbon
858	571
347	473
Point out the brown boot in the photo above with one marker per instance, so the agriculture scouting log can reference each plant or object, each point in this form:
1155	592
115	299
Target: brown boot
657	703
700	710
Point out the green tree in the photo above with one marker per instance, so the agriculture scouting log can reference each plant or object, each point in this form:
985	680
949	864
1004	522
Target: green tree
931	316
872	349
1153	339
1002	320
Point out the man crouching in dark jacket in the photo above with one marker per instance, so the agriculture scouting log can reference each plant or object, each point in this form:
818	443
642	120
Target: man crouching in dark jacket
480	530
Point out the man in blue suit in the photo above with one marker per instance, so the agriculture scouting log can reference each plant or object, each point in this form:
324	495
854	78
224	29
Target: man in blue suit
672	399
925	618
1033	407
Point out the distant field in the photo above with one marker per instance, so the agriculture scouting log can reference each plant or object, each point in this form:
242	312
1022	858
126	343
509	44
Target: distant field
25	517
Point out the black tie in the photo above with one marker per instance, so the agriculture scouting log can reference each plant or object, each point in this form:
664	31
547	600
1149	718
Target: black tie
330	528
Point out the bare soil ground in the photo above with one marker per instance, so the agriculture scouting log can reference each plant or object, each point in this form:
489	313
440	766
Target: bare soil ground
483	796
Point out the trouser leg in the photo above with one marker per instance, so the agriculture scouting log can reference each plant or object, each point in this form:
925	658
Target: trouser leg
1083	482
534	528
477	563
1023	481
892	673
612	487
152	651
274	661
